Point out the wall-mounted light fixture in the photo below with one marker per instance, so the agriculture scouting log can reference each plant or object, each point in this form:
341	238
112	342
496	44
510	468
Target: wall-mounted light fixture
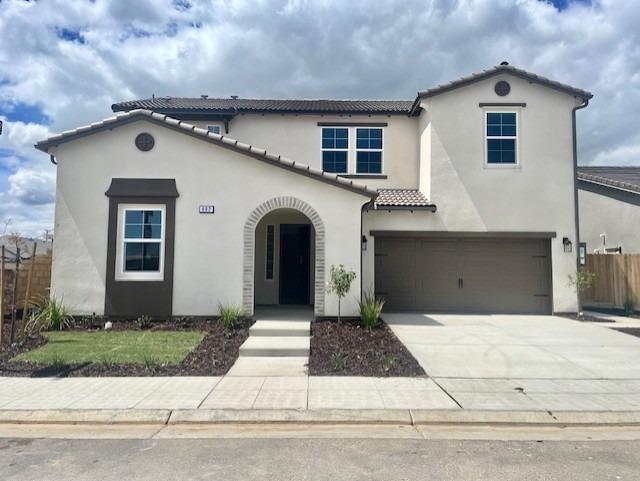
568	247
364	242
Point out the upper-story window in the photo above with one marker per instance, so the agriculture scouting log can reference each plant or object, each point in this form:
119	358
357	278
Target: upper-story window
352	149
335	149
368	150
501	137
214	129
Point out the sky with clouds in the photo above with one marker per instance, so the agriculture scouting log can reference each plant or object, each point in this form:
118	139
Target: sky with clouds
63	63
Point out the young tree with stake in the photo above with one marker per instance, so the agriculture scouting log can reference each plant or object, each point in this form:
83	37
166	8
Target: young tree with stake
340	284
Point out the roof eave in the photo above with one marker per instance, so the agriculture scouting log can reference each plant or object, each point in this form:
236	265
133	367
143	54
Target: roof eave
631	189
201	134
502	69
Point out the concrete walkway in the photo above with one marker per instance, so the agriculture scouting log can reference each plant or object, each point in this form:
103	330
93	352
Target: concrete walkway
278	344
506	362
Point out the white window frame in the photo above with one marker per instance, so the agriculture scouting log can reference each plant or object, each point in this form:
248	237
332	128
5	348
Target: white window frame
120	273
347	150
352	150
355	157
217	126
266	247
486	137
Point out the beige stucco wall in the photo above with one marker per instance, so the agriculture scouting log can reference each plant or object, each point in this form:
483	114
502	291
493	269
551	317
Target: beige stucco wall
267	290
537	195
616	214
298	138
208	248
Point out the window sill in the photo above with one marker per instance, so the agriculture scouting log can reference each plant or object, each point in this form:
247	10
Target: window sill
502	166
127	277
363	176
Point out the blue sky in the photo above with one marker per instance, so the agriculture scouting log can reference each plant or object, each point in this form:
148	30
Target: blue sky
64	63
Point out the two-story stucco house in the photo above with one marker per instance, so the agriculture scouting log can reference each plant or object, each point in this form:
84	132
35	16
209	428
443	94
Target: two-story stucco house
462	199
609	203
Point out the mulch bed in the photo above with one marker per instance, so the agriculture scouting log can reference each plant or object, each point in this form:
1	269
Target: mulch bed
586	318
348	349
214	356
632	331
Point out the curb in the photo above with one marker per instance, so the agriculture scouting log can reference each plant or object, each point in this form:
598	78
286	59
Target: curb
85	416
324	416
327	417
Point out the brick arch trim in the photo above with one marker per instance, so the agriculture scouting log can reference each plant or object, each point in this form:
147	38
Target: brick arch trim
249	249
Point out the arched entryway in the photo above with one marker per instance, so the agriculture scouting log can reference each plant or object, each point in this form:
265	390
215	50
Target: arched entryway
289	216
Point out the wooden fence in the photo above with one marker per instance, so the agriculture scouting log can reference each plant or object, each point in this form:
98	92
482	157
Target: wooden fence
40	282
617	280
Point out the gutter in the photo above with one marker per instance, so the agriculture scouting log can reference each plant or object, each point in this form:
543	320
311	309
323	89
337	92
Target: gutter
575	184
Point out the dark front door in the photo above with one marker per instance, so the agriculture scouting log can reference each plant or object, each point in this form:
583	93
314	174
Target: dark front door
294	263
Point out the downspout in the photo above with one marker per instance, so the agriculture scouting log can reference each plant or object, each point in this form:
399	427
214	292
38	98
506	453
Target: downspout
53	159
575	188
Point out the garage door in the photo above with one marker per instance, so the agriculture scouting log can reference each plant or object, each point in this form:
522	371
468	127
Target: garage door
464	275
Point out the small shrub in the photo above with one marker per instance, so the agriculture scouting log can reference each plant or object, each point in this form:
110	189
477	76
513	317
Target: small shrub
583	280
143	322
107	361
89	322
182	320
230	315
50	315
339	361
370	310
58	363
389	363
150	363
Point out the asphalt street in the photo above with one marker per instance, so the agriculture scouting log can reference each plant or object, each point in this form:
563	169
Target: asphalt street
316	459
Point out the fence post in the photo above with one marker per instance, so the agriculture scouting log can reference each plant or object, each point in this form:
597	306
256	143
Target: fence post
1	294
14	297
25	307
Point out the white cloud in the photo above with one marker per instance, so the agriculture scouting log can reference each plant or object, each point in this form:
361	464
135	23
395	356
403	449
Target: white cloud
298	48
32	187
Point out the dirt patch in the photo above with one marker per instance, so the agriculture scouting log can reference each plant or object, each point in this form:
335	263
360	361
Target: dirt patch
632	331
615	312
348	349
214	356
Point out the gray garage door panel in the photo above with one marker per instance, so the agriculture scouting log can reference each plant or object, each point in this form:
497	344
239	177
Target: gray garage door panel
464	275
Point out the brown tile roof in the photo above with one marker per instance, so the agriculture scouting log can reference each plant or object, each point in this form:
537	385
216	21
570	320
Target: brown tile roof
624	178
402	198
221	140
231	106
498	69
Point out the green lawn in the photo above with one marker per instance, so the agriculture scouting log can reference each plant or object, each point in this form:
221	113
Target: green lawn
119	347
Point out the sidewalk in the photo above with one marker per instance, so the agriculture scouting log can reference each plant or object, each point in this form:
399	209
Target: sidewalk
318	393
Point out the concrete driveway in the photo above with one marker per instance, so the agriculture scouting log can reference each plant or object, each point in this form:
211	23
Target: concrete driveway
524	362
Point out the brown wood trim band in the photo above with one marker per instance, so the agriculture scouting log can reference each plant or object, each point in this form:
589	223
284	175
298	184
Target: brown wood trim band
502	104
461	234
364	176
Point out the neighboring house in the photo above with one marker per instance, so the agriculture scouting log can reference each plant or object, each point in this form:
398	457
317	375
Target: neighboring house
609	199
26	246
462	199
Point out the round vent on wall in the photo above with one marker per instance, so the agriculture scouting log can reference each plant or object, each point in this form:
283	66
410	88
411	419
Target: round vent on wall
502	88
145	142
